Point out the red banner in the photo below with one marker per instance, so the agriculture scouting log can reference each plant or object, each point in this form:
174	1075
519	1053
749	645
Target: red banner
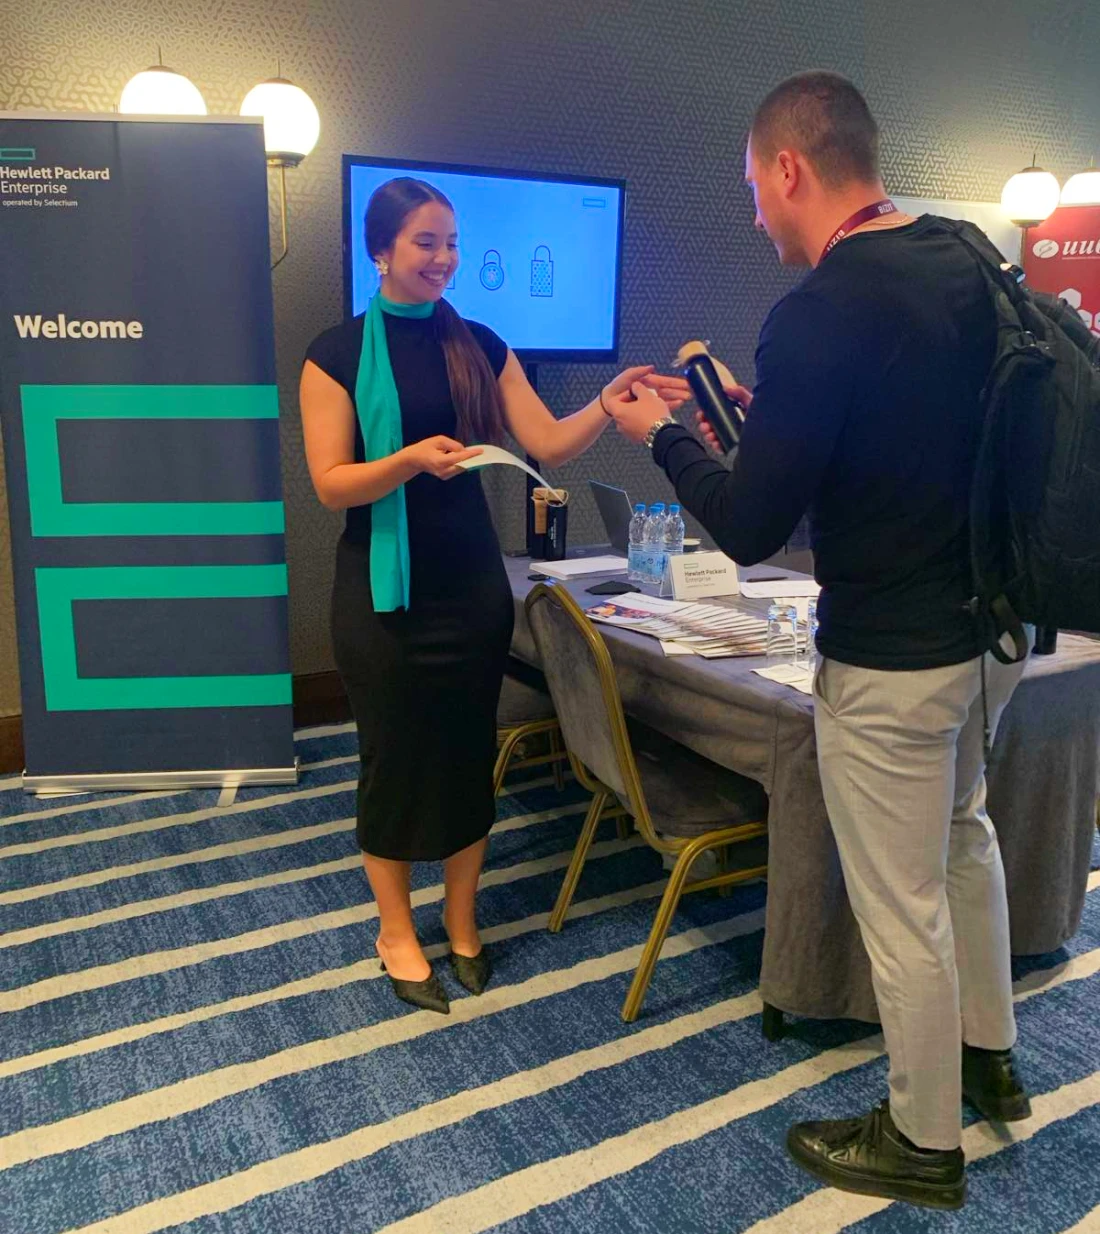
1062	256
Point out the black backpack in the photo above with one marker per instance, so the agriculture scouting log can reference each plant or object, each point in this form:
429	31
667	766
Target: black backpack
1035	498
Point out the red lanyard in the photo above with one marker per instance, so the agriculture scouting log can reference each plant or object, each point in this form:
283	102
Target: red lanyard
873	211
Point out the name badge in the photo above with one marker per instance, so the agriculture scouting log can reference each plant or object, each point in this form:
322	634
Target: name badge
696	576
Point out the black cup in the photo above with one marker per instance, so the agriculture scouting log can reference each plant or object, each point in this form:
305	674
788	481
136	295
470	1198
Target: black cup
557	519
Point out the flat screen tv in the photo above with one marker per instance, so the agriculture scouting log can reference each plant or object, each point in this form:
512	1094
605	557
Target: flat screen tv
540	255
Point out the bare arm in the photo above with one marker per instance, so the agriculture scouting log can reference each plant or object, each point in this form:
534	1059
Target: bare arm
554	442
328	427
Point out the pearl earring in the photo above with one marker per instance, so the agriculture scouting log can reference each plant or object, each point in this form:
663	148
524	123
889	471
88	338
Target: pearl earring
382	266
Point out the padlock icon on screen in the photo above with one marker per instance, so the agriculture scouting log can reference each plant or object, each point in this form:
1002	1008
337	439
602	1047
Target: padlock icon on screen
492	271
542	272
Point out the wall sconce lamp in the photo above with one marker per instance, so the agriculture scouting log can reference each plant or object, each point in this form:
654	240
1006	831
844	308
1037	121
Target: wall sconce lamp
291	128
1083	189
291	121
158	91
1030	196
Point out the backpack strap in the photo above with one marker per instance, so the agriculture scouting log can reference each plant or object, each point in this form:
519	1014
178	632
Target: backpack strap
1008	277
975	239
1005	616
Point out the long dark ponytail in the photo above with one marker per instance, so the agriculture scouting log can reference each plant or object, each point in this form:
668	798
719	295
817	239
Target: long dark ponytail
474	390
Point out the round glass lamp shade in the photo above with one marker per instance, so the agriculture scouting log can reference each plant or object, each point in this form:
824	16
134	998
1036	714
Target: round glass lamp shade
291	122
1030	197
1083	189
158	91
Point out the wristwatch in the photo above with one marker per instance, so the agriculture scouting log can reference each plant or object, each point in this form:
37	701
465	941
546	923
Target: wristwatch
654	429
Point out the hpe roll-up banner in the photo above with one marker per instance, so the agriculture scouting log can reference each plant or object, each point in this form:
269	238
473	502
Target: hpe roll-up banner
140	422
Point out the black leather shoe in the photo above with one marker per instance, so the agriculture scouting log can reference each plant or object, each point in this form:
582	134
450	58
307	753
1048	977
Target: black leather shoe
428	995
871	1157
991	1085
473	972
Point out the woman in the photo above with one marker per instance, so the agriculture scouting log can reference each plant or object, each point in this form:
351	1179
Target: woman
422	610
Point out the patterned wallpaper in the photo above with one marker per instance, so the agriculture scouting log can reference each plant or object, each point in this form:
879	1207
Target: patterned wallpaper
656	91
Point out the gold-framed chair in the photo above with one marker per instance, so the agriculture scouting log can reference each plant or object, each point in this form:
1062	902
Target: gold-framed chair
681	803
525	713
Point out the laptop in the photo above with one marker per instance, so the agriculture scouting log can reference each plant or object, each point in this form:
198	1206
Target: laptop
616	511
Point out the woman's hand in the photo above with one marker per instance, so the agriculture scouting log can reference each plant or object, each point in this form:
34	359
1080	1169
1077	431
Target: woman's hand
675	391
744	396
439	457
637	409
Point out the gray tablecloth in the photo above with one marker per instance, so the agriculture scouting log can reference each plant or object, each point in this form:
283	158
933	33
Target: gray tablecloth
1043	783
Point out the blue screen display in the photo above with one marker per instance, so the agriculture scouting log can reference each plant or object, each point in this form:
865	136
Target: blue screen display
539	259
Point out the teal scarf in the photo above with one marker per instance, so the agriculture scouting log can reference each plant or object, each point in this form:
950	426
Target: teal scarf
379	412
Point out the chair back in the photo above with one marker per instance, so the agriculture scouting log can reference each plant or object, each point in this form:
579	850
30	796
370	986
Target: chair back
581	679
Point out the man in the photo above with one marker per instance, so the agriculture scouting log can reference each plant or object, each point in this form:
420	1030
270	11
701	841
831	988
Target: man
867	413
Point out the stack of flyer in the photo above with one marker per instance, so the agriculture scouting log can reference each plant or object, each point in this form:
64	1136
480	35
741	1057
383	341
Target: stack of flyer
708	630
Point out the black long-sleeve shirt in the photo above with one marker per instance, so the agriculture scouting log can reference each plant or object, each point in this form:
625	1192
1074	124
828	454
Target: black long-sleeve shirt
866	413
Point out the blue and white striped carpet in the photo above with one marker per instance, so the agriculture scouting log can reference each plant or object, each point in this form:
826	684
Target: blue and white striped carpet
193	1037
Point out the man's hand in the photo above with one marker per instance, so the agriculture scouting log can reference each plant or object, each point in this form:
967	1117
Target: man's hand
635	411
743	395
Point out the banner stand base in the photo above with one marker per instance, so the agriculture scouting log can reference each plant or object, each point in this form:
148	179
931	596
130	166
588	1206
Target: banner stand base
144	781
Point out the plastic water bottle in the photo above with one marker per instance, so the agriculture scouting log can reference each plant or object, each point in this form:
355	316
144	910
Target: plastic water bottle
655	527
653	555
637	543
674	530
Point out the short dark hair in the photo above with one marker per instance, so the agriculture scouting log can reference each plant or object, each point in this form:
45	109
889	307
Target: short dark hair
825	117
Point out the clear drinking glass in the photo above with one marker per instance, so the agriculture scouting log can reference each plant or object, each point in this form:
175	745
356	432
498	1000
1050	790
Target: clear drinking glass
782	641
807	639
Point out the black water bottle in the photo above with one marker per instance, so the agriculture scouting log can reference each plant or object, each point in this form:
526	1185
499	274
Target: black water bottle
1046	641
705	376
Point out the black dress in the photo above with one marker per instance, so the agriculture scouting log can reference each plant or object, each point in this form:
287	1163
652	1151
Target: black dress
424	683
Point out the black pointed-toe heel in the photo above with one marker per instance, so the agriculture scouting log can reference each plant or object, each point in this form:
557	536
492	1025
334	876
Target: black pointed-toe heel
473	972
428	995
